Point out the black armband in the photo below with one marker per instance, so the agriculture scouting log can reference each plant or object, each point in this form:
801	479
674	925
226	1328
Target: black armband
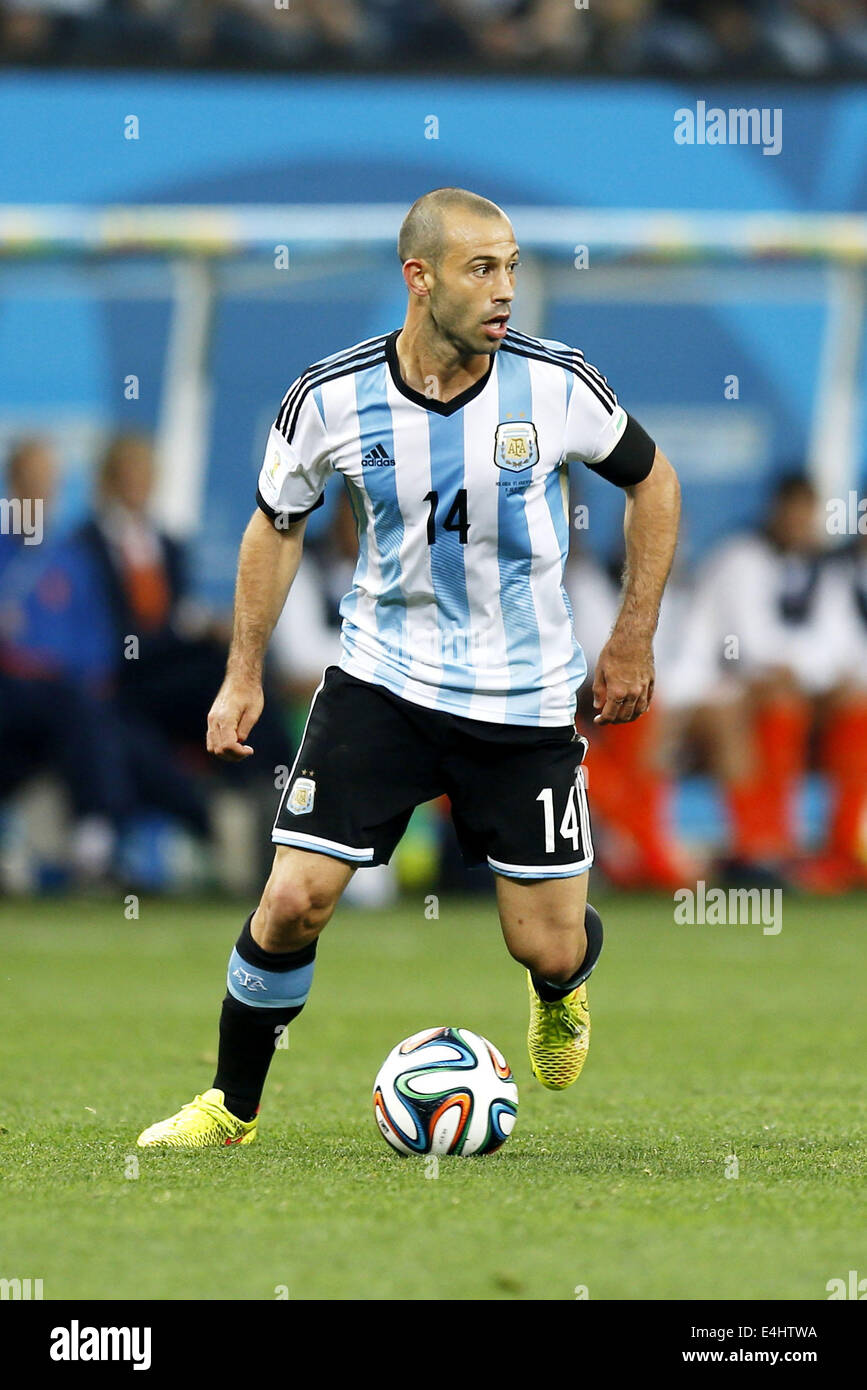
631	459
283	519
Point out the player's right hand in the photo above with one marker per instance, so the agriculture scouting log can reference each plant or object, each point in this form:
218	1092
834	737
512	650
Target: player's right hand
623	681
231	717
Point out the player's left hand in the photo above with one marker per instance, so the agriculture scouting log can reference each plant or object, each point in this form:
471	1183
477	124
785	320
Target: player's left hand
623	681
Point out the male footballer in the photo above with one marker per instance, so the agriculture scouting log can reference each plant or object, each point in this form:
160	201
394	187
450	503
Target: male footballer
460	668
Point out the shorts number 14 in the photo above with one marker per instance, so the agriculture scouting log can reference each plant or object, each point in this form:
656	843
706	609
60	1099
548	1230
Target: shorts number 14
570	825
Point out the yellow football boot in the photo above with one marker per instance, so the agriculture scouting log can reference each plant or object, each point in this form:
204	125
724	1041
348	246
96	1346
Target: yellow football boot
558	1038
204	1123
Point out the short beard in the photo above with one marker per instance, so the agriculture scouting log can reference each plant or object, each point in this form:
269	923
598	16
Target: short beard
461	346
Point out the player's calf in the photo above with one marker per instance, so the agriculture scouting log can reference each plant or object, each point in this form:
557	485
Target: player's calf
265	991
551	974
268	980
271	971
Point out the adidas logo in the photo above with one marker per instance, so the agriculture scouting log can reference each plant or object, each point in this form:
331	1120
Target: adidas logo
377	457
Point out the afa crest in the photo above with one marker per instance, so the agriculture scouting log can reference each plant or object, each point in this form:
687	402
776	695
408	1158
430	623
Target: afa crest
300	799
516	445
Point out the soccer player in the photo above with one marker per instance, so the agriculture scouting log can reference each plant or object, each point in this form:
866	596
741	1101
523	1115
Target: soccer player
460	668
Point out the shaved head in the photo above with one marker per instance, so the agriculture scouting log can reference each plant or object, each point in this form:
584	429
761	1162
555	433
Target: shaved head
459	257
424	232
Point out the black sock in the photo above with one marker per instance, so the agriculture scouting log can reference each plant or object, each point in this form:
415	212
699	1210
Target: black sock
247	1043
548	992
249	1034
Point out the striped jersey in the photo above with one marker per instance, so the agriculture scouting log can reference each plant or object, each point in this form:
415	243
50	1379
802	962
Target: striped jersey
457	601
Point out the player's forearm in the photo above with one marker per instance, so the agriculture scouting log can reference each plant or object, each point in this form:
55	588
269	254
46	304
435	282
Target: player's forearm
650	529
267	564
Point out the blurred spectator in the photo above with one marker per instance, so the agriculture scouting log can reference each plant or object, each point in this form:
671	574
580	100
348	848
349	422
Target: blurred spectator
844	863
31	483
509	31
765	665
413	33
815	36
294	32
168	657
33	28
706	36
850	568
732	37
107	672
49	720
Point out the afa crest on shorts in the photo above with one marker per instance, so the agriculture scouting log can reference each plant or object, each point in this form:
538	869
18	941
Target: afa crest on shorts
516	445
300	799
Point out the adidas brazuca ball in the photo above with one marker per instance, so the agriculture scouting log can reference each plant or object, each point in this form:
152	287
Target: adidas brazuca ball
445	1091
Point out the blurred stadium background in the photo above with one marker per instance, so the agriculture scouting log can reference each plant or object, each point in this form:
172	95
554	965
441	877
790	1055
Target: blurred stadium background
197	201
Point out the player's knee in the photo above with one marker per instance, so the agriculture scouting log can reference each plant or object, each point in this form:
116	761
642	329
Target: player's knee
296	905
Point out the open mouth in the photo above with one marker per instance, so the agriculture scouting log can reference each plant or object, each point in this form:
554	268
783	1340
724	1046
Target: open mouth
496	326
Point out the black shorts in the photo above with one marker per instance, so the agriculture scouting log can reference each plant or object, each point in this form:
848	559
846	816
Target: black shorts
368	758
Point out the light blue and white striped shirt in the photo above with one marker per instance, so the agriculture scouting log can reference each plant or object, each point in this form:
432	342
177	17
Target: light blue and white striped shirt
462	511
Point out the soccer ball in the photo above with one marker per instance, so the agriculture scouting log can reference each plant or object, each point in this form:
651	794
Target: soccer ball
445	1091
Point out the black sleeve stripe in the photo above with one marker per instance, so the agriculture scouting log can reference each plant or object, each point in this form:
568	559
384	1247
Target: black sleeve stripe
280	422
601	380
576	367
291	422
631	459
353	360
567	357
330	363
336	360
285	518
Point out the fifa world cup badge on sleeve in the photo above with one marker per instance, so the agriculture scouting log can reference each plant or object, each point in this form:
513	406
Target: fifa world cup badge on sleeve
516	445
300	799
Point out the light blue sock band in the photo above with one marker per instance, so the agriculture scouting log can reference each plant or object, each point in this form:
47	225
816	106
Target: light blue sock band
268	989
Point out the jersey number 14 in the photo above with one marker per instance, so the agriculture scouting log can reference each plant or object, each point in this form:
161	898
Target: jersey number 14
456	517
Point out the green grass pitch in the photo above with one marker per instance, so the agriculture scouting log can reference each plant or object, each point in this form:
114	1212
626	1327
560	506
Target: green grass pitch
708	1042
